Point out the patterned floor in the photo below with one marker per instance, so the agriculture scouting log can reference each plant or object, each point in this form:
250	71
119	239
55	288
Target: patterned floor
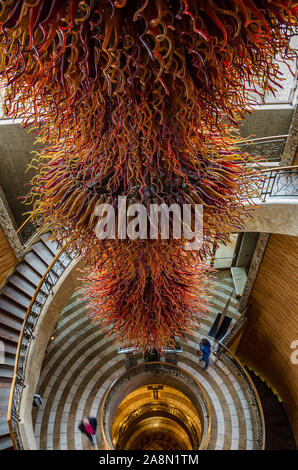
80	365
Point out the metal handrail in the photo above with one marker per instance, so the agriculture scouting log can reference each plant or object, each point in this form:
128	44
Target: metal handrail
279	182
224	352
43	290
231	360
248	140
268	148
279	168
28	232
233	331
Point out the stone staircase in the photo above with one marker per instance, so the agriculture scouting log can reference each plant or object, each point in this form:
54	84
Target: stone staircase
223	288
279	433
15	299
231	417
81	364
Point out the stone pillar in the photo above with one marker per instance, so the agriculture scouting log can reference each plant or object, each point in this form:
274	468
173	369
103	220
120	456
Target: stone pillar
7	225
290	150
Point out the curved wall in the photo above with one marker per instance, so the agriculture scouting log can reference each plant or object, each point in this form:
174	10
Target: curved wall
143	417
50	314
149	373
16	147
275	216
272	322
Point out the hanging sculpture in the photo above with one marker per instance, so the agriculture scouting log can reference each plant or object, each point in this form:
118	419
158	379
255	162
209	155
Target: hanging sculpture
160	292
141	99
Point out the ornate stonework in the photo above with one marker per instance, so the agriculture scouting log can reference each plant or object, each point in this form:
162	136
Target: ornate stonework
8	227
292	142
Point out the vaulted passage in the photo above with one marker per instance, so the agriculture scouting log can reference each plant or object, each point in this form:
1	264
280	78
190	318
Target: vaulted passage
156	417
156	406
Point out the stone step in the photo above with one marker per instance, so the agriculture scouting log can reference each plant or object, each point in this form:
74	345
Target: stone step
14	301
7	334
6	371
52	245
11	293
10	348
81	363
43	252
12	309
36	263
6	443
10	322
4	429
26	271
21	284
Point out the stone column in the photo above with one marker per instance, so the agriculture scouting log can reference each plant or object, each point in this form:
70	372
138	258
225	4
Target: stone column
290	150
8	227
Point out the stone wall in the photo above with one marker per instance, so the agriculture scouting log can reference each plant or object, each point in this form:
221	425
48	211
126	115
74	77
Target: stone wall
272	322
290	153
7	256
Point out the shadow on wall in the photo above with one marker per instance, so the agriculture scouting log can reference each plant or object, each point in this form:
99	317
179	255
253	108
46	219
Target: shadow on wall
265	346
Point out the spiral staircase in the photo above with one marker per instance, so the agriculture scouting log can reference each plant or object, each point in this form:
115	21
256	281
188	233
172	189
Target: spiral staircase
14	301
80	364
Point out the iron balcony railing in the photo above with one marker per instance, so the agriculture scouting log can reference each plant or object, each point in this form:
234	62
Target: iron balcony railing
279	182
28	232
43	291
268	148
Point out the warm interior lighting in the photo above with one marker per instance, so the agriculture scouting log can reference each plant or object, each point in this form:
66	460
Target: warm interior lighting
145	422
143	100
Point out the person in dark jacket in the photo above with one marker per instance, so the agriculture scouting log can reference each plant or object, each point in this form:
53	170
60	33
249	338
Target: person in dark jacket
205	349
88	427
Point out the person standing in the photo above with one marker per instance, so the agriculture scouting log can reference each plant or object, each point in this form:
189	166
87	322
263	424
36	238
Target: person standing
205	349
88	427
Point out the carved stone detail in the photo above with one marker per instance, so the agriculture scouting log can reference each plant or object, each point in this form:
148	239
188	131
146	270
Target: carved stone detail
8	227
291	146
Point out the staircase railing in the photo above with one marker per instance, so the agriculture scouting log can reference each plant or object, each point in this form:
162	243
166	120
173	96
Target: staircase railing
233	363
44	289
233	332
28	233
280	182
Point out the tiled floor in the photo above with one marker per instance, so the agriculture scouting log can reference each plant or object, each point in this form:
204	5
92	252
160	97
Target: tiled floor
81	363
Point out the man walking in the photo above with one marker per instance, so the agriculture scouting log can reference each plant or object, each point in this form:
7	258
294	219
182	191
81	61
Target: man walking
205	349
